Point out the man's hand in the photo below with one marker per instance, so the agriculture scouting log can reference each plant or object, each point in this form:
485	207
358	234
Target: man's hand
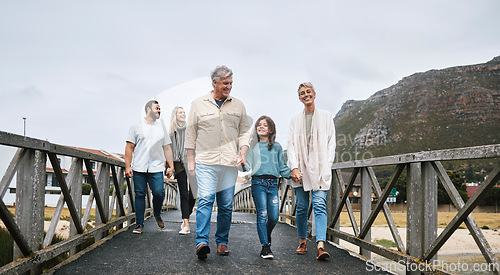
128	172
129	149
191	166
296	175
241	159
190	162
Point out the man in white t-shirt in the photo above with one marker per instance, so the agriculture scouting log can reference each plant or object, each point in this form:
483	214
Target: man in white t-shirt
148	146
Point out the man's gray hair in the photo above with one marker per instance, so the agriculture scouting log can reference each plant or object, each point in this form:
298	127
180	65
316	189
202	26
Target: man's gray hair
220	72
306	84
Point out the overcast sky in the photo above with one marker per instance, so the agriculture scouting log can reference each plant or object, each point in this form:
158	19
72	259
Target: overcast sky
81	71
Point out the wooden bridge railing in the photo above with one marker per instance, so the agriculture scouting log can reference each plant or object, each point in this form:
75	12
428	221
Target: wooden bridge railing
423	171
31	248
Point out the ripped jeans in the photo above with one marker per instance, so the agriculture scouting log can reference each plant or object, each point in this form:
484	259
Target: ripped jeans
265	196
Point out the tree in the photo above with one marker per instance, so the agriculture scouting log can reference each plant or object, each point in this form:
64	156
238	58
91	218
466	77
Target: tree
492	198
443	197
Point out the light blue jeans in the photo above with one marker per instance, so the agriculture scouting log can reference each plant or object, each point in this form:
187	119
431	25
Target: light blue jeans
155	181
265	196
214	182
319	208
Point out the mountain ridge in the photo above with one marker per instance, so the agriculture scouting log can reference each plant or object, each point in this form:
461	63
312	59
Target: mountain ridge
437	109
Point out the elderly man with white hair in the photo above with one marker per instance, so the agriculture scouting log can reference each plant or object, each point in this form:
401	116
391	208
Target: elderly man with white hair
216	143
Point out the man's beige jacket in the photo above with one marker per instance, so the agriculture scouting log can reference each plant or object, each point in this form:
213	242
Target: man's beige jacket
216	134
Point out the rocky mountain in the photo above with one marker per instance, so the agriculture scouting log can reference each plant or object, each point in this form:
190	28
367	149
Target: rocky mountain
437	109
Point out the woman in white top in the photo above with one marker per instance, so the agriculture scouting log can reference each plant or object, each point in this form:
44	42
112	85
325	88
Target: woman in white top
311	151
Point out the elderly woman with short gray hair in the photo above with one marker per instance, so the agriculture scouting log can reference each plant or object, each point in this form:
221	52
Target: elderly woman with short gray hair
311	151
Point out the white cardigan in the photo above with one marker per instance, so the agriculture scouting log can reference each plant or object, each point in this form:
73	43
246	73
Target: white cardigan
315	164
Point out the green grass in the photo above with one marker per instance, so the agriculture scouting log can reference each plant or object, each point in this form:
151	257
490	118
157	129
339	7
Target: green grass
385	243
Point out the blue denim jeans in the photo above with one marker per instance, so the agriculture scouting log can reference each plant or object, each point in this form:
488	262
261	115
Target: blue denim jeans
319	208
155	181
214	182
265	196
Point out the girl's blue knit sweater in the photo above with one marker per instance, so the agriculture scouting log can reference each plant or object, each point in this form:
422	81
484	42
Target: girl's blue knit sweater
268	162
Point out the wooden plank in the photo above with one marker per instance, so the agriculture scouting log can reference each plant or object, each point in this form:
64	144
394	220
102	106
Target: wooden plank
14	140
95	188
59	207
471	224
19	141
88	208
130	194
387	211
415	212
11	170
121	180
65	190
430	204
366	209
381	199
46	254
284	192
345	197
461	216
333	201
30	201
76	194
477	152
393	255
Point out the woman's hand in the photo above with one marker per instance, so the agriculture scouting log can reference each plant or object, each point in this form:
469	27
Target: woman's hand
296	175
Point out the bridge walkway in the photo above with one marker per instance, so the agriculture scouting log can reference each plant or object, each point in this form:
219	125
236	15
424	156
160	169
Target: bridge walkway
158	251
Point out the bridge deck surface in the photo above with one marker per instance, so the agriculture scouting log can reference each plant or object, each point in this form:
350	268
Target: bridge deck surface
156	251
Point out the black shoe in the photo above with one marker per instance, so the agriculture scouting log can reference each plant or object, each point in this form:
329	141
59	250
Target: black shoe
266	253
202	250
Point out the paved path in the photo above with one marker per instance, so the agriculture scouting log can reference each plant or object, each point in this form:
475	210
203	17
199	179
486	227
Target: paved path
166	252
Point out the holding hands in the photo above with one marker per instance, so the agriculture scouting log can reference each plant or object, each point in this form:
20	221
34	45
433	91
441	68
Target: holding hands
169	172
296	175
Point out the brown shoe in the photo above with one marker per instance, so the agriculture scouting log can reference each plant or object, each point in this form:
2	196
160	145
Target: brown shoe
222	250
202	250
302	249
322	254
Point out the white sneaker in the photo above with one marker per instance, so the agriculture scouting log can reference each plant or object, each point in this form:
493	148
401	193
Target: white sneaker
184	231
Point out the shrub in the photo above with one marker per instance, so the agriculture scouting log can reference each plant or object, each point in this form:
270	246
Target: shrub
86	188
6	247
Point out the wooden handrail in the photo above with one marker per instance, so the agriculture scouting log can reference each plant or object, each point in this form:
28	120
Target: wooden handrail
424	169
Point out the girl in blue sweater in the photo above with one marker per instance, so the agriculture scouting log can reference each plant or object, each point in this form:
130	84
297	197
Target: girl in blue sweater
267	162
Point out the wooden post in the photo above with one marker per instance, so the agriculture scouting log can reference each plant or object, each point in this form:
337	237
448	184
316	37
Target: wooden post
366	207
415	215
430	204
30	201
332	202
76	194
103	187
